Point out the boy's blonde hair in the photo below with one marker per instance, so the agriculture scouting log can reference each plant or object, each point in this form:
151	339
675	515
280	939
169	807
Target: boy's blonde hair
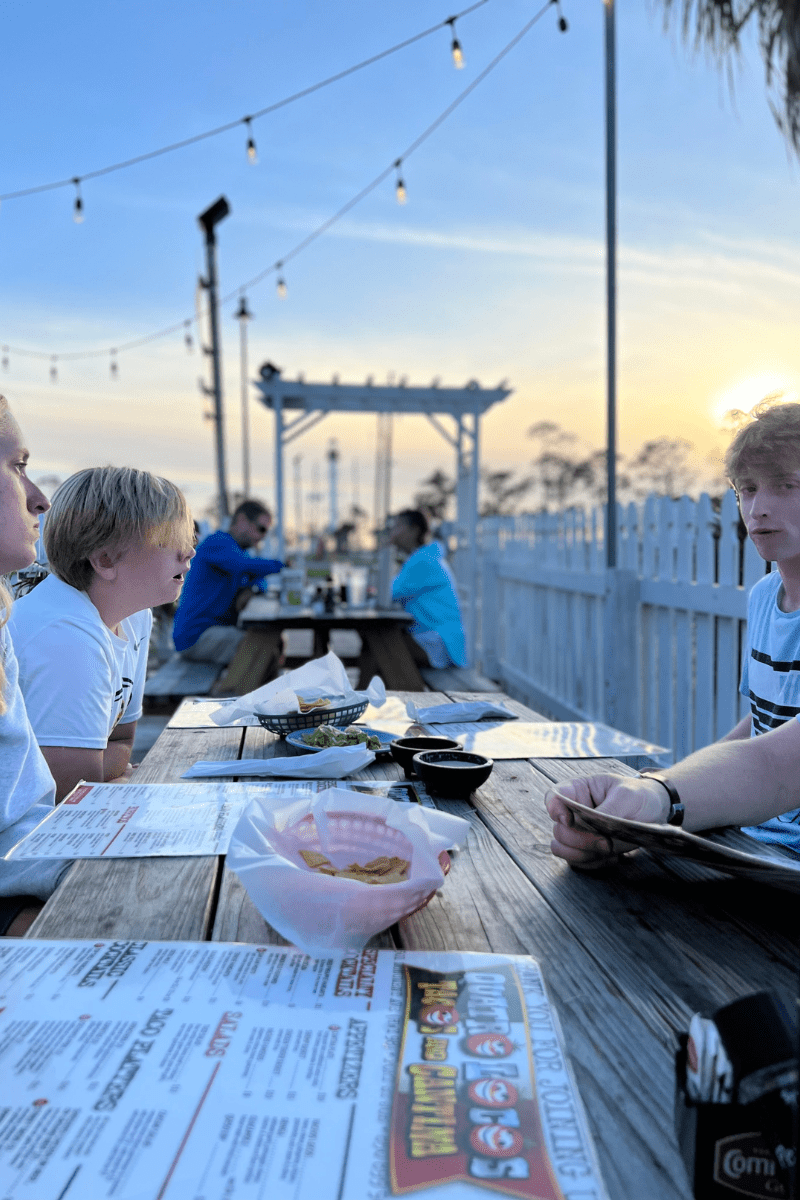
768	442
111	508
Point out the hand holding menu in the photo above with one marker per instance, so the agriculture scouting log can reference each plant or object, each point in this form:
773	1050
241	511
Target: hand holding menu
727	850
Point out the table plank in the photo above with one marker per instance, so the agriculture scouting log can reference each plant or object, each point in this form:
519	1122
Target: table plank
169	899
488	904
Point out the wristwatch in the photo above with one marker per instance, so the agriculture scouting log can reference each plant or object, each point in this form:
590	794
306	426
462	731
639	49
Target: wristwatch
677	810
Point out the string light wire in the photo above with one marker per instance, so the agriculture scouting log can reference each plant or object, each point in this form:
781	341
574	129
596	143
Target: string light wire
262	112
311	237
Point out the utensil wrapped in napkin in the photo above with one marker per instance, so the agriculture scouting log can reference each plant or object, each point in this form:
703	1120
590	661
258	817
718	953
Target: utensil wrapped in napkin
320	912
334	763
470	710
322	678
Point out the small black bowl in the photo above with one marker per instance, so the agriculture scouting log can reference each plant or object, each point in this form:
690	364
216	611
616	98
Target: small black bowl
404	749
452	773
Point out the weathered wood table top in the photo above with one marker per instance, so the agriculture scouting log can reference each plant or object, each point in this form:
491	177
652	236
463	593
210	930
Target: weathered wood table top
628	955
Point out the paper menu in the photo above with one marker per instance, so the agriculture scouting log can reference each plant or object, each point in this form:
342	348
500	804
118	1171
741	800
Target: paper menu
181	1071
144	820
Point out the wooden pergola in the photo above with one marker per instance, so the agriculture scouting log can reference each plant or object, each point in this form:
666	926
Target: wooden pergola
309	403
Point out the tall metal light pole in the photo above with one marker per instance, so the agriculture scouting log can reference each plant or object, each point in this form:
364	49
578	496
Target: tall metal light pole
208	220
611	286
243	315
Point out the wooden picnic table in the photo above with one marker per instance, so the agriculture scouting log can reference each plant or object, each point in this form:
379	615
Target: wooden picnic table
380	630
628	955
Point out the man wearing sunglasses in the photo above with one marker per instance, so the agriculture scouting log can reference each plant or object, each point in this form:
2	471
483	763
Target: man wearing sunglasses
205	623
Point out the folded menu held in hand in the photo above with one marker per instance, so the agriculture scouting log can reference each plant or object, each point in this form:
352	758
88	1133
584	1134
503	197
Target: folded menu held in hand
334	763
471	710
321	678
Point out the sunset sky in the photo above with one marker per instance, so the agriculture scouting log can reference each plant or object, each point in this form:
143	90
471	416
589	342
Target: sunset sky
493	270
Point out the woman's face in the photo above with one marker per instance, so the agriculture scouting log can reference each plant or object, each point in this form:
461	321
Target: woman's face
20	501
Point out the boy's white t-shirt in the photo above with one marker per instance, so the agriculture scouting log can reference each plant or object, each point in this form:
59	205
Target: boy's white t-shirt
27	791
79	679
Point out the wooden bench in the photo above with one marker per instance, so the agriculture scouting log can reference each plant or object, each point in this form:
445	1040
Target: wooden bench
457	679
179	677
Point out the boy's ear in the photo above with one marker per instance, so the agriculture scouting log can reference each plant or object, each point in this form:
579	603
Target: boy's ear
104	563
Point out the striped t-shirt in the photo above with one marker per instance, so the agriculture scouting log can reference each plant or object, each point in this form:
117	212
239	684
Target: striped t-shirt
771	681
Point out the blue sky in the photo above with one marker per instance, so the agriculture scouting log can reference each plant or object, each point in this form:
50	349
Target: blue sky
493	269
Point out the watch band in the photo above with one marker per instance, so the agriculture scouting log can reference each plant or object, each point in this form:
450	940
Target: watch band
677	810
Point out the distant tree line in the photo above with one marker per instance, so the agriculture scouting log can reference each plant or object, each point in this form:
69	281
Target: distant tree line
565	472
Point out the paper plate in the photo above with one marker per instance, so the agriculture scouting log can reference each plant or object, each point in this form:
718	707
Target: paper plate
296	739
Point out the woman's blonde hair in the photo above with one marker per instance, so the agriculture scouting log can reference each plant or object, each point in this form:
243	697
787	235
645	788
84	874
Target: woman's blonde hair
5	594
768	440
111	508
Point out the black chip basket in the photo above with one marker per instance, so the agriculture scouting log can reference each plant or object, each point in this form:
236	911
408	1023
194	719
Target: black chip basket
284	723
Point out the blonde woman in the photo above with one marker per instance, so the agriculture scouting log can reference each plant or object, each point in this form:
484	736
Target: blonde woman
27	790
119	541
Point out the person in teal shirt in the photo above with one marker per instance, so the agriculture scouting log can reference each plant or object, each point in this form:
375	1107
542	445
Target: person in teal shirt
426	589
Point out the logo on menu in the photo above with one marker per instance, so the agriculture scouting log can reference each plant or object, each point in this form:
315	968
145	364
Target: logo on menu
464	1109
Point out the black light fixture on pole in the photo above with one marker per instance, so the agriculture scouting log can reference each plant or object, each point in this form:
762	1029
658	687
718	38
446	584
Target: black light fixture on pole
208	221
243	315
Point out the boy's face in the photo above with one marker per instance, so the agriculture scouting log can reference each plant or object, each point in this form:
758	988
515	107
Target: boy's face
153	575
770	507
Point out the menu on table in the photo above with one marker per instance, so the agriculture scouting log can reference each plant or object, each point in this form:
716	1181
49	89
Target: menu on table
206	1071
144	820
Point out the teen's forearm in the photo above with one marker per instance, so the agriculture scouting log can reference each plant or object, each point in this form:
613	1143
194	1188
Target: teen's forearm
741	782
742	730
116	757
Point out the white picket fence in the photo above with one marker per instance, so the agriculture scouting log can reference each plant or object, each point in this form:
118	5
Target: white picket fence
657	645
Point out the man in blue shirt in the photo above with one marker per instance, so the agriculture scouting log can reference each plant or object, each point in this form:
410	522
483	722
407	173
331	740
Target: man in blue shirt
205	623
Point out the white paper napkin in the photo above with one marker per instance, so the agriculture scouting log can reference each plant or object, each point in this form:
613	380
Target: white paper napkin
320	677
319	913
334	763
449	714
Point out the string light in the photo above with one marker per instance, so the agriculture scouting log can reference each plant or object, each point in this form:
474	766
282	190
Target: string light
5	358
562	20
400	187
252	153
187	337
53	368
455	45
77	211
318	232
262	112
113	364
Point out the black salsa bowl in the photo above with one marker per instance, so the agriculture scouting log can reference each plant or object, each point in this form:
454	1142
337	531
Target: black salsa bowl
454	774
403	749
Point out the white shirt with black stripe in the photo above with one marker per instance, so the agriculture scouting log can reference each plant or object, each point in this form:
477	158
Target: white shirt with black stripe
78	678
771	682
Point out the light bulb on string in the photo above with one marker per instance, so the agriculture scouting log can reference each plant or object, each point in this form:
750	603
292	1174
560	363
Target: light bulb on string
400	187
53	369
113	364
252	153
187	337
5	358
280	285
562	20
77	211
455	45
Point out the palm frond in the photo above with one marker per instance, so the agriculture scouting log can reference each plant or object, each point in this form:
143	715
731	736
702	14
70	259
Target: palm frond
717	25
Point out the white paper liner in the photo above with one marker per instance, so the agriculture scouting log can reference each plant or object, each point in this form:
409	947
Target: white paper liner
321	677
319	913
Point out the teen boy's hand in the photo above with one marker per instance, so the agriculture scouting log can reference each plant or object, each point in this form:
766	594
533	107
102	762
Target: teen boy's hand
638	799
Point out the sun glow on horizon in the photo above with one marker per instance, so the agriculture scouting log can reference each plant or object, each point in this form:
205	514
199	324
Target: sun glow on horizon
747	393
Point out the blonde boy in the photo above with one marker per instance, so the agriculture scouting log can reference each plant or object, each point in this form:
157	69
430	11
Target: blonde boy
746	780
119	541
